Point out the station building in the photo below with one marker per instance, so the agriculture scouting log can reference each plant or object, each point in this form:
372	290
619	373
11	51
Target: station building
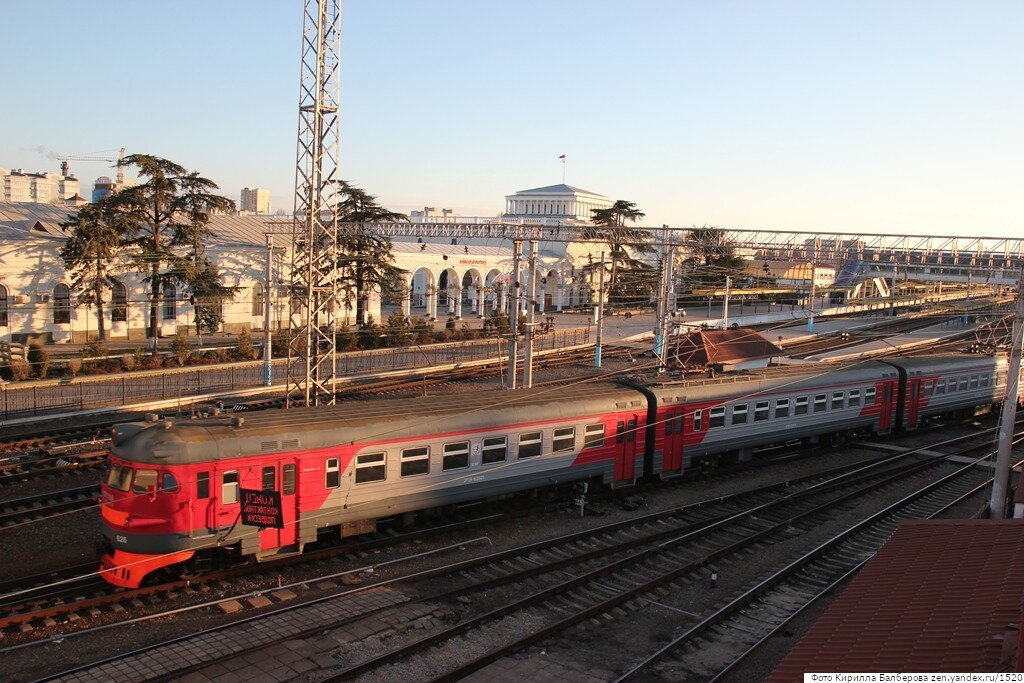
459	279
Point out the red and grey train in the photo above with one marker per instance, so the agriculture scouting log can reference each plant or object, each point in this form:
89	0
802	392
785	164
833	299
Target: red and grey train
172	492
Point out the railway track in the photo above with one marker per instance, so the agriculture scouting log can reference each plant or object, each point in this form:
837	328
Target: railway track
636	558
44	505
747	621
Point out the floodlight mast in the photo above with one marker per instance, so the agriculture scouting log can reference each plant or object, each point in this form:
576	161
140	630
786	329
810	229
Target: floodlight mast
312	347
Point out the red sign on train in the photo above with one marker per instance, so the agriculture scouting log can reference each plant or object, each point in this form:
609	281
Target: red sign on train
261	508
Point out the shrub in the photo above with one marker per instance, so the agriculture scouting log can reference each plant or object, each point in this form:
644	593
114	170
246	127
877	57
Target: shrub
128	362
139	355
20	370
244	349
181	348
396	329
94	348
153	362
422	330
74	367
39	358
346	340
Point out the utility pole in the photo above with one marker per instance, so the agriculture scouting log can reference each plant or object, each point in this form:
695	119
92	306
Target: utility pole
1001	480
267	356
810	303
513	321
600	315
312	361
725	303
892	290
531	320
664	303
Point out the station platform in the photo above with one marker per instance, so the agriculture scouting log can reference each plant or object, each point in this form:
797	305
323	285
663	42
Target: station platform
900	342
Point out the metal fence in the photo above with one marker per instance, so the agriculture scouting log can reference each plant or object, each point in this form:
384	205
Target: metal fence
41	398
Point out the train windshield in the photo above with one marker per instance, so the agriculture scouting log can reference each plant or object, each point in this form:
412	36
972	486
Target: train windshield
119	478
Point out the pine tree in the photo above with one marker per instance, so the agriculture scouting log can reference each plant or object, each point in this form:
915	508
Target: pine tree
92	246
163	214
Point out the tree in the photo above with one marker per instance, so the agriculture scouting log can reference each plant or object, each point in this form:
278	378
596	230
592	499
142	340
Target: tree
203	280
166	212
712	256
365	262
94	243
609	226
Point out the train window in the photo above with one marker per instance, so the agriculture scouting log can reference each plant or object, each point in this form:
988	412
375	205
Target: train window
854	398
869	396
203	485
984	380
370	467
229	487
119	477
940	387
929	387
563	440
456	456
887	393
269	478
820	402
168	482
620	432
739	414
837	400
631	430
679	423
529	445
963	383
288	479
593	435
782	408
974	381
495	449
800	405
332	474
760	411
698	420
416	461
143	480
716	418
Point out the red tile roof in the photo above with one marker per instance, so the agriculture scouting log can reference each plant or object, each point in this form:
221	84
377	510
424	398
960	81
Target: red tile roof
704	347
941	595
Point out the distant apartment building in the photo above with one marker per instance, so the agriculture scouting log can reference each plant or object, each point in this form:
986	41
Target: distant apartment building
430	214
38	188
255	200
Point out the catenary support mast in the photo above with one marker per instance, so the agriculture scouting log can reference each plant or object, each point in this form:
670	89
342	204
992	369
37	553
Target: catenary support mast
1001	480
311	351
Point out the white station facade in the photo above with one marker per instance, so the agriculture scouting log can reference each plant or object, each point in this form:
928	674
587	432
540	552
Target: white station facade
464	278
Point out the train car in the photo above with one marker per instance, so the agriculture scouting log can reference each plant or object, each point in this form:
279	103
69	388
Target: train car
955	385
699	421
172	493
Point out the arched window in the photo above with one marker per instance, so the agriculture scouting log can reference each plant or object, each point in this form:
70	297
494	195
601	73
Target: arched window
118	302
61	304
4	320
258	300
170	304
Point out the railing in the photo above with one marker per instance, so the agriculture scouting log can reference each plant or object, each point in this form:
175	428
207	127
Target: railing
84	393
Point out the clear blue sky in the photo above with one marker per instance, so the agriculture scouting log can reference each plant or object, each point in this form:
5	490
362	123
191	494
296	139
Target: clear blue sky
869	116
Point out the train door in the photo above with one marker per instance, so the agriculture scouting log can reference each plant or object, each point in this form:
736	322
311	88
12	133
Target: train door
202	506
672	457
625	449
885	413
282	478
913	401
225	491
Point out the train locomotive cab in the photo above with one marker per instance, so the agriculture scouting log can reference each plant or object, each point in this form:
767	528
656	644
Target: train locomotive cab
141	505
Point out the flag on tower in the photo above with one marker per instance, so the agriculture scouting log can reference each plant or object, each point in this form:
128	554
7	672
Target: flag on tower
562	157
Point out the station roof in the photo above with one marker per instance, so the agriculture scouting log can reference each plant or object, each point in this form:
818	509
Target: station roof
941	595
560	188
705	347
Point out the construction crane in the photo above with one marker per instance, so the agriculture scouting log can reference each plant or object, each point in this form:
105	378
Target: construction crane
65	167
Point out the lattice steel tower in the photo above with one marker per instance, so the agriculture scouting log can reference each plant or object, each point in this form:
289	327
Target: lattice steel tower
311	351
